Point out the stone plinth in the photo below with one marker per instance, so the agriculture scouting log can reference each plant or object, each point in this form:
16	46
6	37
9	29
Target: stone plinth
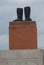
22	35
21	57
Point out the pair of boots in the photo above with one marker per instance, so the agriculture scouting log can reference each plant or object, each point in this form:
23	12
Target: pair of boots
20	14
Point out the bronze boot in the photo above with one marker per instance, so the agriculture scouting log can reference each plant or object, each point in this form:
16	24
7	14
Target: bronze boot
27	13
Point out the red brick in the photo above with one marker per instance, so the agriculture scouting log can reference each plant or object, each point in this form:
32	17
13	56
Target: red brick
22	35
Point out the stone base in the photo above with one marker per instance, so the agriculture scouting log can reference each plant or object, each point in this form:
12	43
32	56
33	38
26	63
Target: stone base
21	57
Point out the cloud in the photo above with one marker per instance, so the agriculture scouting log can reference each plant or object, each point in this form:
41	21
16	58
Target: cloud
41	27
41	41
13	1
4	44
16	3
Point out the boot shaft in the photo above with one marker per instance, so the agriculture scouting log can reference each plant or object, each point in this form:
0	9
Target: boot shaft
19	13
27	13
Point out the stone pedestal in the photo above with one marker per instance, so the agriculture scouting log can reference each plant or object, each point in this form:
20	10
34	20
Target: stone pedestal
21	57
22	35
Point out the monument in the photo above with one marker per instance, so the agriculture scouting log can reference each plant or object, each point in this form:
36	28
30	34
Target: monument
22	44
23	33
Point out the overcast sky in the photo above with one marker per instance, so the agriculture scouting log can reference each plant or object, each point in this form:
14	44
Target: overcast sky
8	13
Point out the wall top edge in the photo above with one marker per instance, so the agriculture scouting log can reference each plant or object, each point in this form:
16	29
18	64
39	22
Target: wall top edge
22	23
24	50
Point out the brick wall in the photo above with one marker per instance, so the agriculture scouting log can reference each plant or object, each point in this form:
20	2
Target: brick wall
22	35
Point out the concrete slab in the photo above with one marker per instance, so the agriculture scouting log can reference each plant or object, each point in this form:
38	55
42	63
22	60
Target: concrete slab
16	54
21	57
